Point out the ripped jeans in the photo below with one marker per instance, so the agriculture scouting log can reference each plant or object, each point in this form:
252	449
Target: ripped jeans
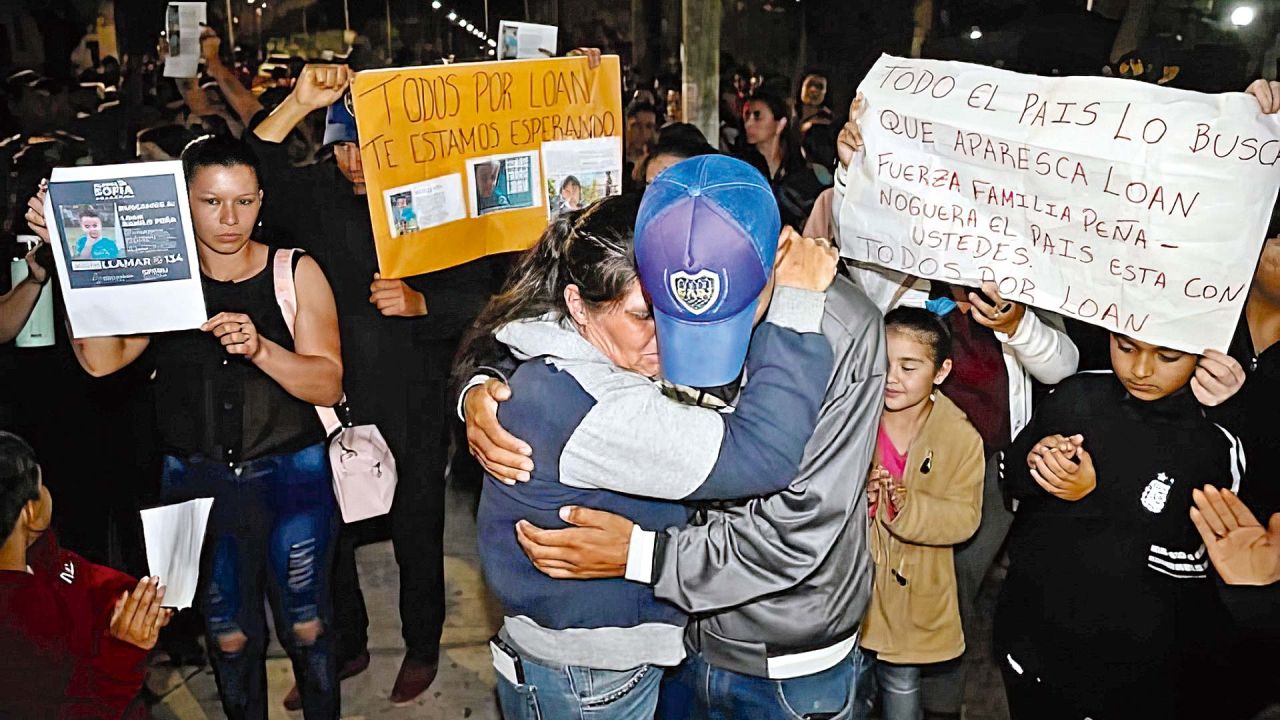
271	529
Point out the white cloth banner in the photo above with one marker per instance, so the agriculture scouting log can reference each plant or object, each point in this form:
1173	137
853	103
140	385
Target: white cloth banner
124	248
1134	207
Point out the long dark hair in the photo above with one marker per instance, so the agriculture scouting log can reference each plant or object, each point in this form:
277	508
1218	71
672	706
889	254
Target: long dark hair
591	248
792	160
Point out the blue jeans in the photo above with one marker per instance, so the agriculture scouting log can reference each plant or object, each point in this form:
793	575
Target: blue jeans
698	690
897	685
577	693
270	531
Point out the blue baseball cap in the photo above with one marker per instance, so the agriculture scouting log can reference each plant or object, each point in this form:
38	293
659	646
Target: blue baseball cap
706	237
340	122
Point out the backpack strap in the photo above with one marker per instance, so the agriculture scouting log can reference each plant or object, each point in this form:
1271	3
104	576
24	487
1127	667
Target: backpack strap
286	289
287	298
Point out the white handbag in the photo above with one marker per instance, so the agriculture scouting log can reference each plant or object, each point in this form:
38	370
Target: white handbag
364	470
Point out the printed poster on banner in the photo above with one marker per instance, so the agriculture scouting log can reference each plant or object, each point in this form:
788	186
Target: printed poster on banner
456	156
503	182
1138	208
125	249
425	205
580	172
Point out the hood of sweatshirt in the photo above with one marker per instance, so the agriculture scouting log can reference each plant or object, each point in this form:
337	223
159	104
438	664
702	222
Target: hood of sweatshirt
548	336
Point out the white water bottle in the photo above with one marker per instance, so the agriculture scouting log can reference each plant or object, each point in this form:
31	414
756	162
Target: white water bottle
38	332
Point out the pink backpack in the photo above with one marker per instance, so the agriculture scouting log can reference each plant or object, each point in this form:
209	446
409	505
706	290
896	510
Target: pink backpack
364	471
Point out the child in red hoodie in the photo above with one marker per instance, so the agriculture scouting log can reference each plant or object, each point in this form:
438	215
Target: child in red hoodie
73	635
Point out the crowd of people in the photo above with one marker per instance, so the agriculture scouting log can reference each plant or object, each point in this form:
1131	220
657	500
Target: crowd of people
726	474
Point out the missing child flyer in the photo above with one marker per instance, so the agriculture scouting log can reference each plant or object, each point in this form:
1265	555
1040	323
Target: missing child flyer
125	249
421	206
504	182
580	172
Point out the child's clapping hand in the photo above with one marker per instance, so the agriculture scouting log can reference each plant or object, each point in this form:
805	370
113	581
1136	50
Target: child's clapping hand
897	493
876	481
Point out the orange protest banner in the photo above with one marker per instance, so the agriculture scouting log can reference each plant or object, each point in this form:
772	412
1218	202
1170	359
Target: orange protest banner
463	161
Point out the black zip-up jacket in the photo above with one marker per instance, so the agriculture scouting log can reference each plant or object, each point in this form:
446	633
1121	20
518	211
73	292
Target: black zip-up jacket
1111	600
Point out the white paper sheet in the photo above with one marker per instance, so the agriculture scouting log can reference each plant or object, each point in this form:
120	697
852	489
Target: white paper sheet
1138	208
182	30
174	536
525	41
125	249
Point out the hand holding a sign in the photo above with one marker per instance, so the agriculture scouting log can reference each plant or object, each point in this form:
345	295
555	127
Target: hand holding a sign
40	258
1243	552
1218	377
35	212
1267	93
210	44
394	298
236	333
591	54
1000	315
849	142
1063	467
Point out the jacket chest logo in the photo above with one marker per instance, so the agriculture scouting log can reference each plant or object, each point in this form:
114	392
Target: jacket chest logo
696	293
68	573
1156	493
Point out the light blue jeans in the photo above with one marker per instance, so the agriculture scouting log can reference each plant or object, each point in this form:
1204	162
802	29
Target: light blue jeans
698	690
897	685
568	692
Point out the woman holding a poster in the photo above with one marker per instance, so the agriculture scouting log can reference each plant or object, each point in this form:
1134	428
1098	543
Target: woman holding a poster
235	400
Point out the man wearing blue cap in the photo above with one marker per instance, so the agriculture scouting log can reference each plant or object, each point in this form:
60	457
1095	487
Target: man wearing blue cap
777	586
398	339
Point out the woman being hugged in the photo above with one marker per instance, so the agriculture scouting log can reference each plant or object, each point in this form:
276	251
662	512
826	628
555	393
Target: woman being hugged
604	435
235	400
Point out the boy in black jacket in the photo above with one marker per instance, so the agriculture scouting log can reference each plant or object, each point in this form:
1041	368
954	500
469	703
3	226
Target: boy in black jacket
1109	609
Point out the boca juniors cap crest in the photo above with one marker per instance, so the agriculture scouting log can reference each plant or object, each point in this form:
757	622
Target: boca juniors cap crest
706	237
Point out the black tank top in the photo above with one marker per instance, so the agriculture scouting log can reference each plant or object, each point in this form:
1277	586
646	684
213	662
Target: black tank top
220	405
